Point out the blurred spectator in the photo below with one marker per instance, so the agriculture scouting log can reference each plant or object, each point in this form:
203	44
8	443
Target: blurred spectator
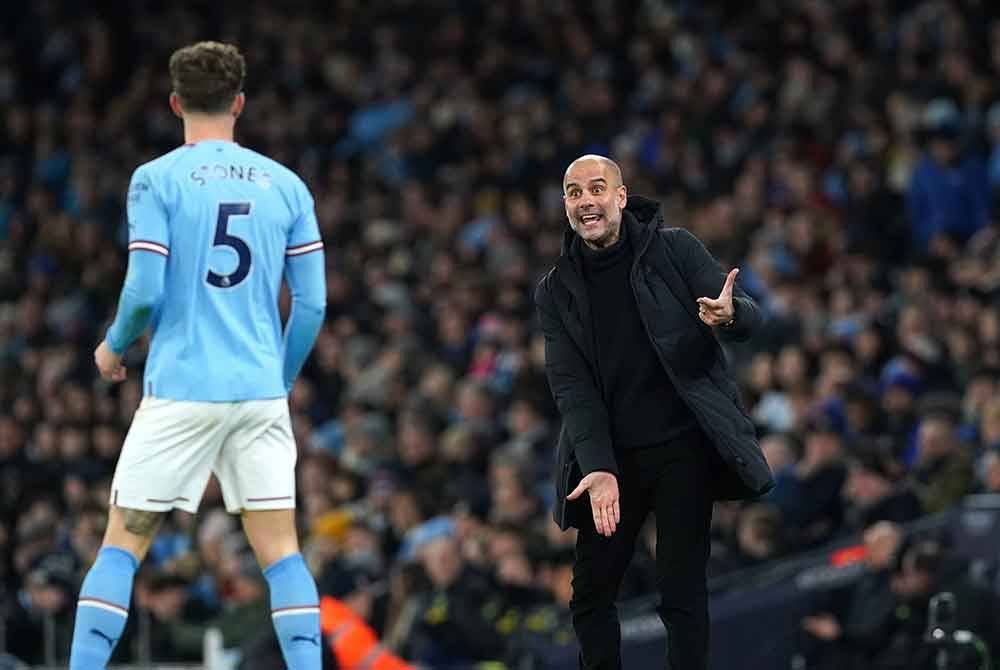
876	491
949	191
989	472
449	628
48	594
809	498
846	637
926	570
989	424
546	639
943	468
179	628
843	155
885	619
759	536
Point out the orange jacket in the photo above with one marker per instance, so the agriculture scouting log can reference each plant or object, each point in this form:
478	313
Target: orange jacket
353	641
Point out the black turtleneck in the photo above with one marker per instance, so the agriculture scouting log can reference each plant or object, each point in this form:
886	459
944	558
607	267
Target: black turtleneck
642	401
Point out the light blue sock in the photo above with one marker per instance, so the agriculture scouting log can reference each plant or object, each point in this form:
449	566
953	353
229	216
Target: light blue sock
295	612
102	609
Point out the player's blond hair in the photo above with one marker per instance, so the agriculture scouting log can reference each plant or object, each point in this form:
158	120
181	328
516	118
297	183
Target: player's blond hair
207	76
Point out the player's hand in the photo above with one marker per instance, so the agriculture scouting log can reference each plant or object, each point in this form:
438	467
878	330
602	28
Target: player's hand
603	489
824	626
109	364
719	311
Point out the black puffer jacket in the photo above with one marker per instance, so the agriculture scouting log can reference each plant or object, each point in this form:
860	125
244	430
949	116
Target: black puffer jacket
670	271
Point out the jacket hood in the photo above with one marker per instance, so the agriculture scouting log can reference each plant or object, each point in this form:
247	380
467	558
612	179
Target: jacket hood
645	212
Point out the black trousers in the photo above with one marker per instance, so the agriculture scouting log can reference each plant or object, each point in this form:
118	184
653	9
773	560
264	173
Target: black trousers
673	480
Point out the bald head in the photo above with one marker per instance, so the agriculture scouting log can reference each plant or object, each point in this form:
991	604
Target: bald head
595	196
882	541
608	166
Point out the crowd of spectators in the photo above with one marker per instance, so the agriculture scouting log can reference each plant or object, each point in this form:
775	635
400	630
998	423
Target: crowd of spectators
845	155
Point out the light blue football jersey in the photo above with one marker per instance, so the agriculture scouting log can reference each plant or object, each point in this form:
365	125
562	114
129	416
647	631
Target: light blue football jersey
230	223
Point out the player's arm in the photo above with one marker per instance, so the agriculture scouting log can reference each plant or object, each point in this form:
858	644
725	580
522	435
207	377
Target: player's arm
140	295
149	248
305	272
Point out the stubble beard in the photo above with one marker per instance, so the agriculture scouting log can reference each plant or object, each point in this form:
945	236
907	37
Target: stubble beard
608	238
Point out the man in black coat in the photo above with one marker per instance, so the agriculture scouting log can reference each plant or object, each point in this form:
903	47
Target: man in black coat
651	416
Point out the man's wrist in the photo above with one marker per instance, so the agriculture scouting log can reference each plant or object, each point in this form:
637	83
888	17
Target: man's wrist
732	317
112	345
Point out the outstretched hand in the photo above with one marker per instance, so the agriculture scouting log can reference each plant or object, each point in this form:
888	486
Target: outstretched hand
603	490
719	311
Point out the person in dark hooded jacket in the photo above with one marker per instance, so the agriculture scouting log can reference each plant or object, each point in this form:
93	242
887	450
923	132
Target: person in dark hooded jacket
632	315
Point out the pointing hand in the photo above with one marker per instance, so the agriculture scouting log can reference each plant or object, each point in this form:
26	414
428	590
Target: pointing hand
719	311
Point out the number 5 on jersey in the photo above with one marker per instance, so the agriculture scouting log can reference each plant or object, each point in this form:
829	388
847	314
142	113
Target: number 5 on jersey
224	239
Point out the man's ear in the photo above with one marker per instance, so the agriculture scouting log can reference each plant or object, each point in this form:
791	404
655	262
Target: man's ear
238	103
175	106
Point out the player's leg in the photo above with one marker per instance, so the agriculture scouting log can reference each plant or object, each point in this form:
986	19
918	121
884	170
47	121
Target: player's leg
102	609
256	471
161	466
271	534
294	599
132	530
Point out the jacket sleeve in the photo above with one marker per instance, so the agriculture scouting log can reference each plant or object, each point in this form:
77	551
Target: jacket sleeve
706	278
583	412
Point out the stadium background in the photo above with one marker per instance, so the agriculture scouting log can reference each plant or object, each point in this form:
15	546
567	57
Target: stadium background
845	155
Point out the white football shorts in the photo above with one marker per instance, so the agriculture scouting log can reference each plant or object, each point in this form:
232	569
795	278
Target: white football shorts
173	446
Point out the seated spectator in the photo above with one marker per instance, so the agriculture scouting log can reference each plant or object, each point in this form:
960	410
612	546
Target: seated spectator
47	596
513	499
530	434
877	491
988	472
925	570
900	387
989	424
450	627
949	191
545	638
993	134
467	462
810	499
759	536
780	452
845	637
943	469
